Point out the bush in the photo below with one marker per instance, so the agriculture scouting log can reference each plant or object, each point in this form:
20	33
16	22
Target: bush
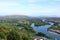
13	35
2	35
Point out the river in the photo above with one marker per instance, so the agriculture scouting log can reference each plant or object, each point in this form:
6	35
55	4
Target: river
44	29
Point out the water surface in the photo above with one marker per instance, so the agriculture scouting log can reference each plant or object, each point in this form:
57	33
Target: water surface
44	29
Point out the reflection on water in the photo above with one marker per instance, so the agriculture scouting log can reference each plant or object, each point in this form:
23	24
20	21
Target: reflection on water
43	29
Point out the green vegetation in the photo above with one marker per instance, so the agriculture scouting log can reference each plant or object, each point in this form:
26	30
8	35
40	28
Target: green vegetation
12	28
13	35
55	28
43	35
38	22
16	31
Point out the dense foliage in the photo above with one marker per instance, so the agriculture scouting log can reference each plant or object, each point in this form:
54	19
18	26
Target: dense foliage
17	28
16	31
43	35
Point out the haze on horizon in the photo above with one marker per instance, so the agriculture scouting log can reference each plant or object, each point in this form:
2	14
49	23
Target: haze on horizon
30	7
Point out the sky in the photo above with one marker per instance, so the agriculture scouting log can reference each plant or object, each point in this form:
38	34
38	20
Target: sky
30	7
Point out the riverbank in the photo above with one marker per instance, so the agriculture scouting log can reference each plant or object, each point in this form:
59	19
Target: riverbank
54	31
43	35
40	38
55	28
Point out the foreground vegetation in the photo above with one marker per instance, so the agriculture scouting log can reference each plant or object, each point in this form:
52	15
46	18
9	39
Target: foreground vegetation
16	28
11	32
20	30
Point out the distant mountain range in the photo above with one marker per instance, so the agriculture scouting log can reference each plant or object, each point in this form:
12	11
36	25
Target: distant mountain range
23	16
14	16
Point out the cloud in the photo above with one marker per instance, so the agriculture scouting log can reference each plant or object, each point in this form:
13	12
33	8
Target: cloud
30	7
3	4
42	0
36	1
56	0
31	0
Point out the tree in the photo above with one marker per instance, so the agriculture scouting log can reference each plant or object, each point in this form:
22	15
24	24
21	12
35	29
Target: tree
2	35
13	35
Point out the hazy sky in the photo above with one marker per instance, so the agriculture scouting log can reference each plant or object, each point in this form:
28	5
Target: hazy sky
30	7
